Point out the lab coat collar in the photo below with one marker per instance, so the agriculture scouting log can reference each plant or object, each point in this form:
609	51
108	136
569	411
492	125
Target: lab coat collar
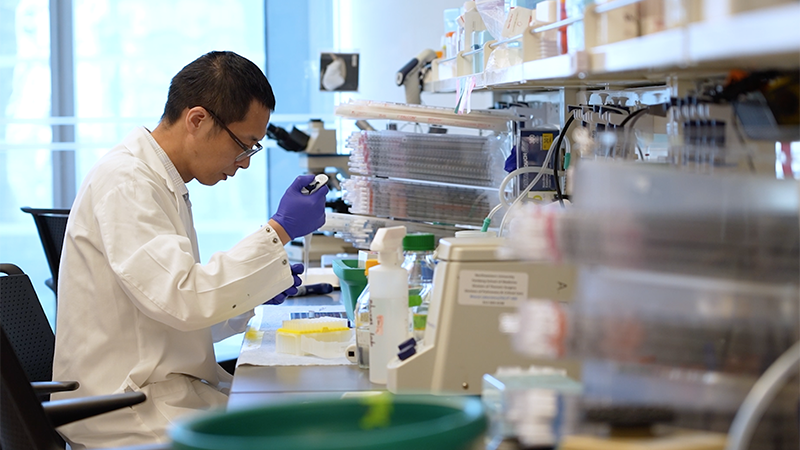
142	144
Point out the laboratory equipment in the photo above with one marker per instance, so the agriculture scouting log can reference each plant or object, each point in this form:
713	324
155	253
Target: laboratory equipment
362	323
388	286
534	144
311	314
410	75
317	148
293	141
374	422
448	158
318	140
418	252
362	314
360	230
692	346
633	216
764	113
472	290
321	141
494	120
688	293
439	178
428	202
324	337
535	406
313	289
351	280
319	181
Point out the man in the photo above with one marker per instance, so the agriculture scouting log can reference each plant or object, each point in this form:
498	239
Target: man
136	306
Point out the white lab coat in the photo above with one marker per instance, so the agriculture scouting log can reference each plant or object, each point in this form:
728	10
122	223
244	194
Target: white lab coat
136	307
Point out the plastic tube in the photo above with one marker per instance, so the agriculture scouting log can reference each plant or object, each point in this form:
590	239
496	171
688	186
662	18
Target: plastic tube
507	179
760	396
530	186
306	254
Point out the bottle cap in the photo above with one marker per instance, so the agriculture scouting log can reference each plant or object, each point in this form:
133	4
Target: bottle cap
388	242
419	242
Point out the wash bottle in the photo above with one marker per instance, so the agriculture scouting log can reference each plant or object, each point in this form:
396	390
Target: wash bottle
388	288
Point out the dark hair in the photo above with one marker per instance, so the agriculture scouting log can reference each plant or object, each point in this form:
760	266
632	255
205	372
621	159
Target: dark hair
223	82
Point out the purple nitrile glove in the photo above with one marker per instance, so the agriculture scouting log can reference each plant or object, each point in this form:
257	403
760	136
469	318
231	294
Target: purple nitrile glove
297	269
301	214
511	162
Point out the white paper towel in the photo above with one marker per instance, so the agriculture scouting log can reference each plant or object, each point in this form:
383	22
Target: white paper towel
258	348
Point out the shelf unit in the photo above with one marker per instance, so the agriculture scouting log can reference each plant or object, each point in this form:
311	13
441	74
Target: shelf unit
766	37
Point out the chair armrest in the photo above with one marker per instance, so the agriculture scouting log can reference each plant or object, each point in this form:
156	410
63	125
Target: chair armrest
48	387
62	412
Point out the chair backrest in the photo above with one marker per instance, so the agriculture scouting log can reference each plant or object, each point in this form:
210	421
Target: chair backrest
24	321
23	422
51	225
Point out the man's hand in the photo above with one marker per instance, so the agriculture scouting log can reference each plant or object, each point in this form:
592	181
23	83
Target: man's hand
300	214
297	269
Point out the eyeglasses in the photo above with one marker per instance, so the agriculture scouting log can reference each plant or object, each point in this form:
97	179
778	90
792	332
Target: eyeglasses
246	151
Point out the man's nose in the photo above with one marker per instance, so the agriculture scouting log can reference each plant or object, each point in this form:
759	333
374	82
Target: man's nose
244	164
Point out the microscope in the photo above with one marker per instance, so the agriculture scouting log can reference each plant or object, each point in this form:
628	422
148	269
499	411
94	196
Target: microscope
410	76
317	148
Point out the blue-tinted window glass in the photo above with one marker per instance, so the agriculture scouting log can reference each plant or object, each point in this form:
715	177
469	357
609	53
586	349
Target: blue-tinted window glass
25	162
126	53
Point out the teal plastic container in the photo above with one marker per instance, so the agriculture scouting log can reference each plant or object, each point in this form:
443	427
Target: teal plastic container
352	281
357	423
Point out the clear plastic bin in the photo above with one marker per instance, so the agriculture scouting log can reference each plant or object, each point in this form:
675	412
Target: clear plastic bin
525	403
667	320
640	217
447	158
417	200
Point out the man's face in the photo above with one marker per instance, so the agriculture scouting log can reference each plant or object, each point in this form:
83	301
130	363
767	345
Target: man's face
215	160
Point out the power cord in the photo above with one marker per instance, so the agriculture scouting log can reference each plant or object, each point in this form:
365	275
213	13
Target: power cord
557	159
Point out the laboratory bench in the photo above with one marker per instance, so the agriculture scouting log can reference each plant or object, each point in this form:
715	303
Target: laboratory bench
256	385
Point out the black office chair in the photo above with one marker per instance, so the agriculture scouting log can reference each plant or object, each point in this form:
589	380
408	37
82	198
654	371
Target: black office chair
23	319
26	423
51	225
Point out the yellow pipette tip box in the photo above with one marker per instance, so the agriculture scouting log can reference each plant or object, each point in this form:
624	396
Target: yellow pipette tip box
324	337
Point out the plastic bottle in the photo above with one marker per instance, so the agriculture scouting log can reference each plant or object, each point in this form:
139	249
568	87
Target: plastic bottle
362	321
418	251
388	301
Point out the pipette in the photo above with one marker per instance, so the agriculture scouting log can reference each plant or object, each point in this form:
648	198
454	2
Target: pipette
319	181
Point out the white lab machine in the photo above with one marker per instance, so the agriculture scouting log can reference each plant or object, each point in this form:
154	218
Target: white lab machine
472	289
321	141
320	151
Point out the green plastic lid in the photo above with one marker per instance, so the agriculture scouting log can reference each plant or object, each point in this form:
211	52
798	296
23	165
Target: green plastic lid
381	422
420	242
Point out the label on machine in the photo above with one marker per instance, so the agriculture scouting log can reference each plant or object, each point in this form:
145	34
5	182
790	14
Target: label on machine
481	288
533	148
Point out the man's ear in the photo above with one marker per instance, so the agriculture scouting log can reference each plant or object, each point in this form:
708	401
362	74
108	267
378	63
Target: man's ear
194	119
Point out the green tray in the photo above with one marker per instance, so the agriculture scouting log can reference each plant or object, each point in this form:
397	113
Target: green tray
352	281
358	423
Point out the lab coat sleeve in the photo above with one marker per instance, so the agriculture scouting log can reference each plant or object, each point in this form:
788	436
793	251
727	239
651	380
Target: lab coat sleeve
231	326
149	251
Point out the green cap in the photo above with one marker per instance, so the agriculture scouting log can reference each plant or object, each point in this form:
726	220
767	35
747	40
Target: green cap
420	242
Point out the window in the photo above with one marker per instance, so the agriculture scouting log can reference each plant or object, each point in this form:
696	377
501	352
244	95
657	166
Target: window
126	53
25	135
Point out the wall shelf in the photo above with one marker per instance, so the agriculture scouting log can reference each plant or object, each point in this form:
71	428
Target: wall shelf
767	37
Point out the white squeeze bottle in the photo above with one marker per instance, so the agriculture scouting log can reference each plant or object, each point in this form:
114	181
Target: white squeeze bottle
388	289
